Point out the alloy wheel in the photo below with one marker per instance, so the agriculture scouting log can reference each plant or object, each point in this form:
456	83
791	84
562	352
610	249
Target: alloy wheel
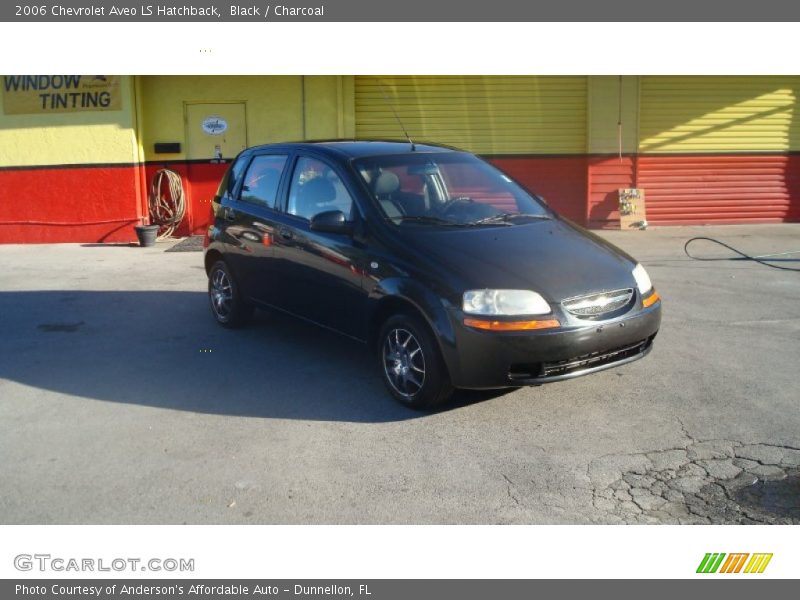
221	295
403	362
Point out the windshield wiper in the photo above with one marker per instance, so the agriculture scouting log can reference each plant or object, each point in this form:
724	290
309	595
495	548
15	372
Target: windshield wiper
425	219
506	218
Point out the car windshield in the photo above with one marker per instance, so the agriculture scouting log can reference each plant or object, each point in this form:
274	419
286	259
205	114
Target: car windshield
452	189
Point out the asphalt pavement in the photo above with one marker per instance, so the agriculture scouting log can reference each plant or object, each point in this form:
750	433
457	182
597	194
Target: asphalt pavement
121	401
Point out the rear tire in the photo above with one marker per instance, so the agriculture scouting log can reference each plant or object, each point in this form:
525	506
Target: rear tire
227	304
411	365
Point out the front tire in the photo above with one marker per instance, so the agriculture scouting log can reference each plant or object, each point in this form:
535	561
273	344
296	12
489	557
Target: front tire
227	305
411	365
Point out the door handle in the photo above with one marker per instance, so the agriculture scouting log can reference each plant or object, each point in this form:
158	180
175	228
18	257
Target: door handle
285	233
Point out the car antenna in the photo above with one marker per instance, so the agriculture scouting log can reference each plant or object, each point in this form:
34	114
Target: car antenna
396	116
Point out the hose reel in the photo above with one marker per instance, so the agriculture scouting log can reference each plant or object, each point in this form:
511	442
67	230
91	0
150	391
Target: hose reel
166	202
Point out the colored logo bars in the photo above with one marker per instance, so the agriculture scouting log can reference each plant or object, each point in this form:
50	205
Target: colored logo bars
734	562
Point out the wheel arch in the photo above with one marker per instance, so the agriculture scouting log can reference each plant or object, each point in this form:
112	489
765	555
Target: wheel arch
387	307
420	303
212	256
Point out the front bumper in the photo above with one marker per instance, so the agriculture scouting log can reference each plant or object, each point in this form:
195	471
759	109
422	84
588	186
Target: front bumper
491	359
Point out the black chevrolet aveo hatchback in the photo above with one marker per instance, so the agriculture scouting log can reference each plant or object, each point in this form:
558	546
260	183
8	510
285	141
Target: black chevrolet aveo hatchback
455	275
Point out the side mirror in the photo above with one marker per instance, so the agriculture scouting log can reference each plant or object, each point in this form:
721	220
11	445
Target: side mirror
331	221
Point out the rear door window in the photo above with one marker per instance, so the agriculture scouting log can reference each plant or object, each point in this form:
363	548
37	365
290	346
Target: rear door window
260	185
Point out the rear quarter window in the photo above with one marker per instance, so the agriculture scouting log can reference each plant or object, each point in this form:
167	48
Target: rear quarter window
232	176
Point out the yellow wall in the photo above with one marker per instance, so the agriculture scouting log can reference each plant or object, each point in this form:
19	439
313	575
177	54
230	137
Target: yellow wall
329	107
71	137
719	114
490	115
274	104
612	97
483	114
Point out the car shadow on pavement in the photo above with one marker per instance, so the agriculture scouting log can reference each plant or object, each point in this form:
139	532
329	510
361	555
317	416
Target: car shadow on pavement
163	349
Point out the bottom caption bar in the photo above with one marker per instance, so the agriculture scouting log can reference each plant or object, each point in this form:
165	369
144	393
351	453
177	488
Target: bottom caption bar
376	589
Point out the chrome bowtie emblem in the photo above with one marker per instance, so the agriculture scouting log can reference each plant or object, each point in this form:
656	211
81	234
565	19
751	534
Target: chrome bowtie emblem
598	304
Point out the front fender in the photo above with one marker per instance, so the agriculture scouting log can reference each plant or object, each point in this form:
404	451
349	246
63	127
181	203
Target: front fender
433	308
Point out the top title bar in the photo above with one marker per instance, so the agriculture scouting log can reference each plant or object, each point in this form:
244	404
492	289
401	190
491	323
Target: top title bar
404	11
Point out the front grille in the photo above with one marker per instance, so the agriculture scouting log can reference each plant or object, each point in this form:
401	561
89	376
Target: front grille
579	363
599	304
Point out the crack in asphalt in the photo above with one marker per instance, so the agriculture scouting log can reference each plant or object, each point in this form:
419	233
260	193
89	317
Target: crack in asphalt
684	431
510	486
700	483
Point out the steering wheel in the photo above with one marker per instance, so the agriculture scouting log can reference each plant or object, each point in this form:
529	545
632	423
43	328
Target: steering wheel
453	202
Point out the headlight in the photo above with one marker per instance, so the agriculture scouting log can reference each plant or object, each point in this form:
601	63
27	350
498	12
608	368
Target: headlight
504	302
642	279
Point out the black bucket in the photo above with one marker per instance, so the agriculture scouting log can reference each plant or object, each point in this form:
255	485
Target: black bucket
146	234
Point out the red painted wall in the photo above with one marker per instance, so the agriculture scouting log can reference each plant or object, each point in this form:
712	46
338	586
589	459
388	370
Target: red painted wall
561	180
94	203
68	204
606	176
735	188
102	203
200	182
204	180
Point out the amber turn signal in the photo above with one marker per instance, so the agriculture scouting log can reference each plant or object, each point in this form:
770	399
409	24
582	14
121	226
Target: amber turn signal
511	325
651	299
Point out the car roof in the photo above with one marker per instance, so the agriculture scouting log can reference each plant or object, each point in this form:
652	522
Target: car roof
357	148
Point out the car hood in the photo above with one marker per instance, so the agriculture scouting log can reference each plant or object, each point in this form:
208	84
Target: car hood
553	257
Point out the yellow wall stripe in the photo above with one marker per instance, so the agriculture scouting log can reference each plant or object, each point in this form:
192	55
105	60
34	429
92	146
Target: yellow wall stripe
88	137
719	114
278	108
483	114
